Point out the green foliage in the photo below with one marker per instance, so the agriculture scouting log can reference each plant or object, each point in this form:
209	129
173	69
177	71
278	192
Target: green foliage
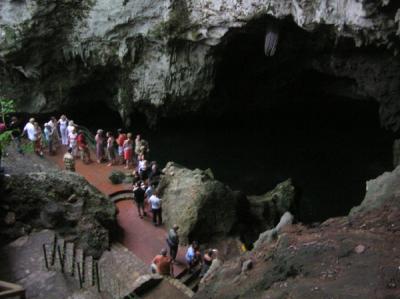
116	177
6	107
5	139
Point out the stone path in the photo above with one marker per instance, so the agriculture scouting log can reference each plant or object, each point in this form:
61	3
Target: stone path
139	235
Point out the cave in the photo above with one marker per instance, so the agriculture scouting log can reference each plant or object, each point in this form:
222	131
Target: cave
297	119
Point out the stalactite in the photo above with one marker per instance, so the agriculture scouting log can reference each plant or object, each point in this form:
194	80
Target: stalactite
271	40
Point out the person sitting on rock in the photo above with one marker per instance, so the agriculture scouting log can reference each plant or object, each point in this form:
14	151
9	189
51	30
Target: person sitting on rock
139	194
193	256
69	160
161	264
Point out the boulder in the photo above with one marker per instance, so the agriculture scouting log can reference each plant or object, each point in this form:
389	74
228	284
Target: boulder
202	206
268	208
43	200
379	191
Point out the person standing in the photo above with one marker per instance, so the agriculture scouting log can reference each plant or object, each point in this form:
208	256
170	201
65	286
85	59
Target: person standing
83	148
63	121
120	141
155	203
110	148
29	130
128	150
48	135
99	145
193	256
162	264
69	160
139	193
173	241
73	142
37	143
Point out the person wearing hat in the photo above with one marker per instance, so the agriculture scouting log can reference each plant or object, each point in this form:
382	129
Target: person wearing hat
173	241
162	264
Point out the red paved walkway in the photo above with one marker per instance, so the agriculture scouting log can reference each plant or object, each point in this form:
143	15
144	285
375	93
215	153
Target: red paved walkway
140	235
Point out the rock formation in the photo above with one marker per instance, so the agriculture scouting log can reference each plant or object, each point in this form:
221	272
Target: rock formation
355	256
201	206
58	200
164	58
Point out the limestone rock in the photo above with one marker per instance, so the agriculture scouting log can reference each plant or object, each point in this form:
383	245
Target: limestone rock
40	200
267	209
201	206
379	191
52	51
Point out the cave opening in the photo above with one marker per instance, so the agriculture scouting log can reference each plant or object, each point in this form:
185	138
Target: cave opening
298	118
90	102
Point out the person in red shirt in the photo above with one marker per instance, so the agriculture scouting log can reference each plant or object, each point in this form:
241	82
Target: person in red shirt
83	148
162	264
120	141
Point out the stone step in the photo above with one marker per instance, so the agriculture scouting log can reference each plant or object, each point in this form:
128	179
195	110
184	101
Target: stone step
189	277
69	257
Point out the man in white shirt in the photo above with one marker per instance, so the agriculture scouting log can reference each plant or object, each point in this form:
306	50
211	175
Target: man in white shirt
29	129
155	203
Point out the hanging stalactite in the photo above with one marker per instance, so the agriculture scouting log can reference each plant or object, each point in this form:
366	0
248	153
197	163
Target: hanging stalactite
271	39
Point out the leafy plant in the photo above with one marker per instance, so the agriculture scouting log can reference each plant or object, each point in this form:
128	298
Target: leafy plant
7	106
116	177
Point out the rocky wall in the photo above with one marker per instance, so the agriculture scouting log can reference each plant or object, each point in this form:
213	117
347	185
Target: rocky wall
158	57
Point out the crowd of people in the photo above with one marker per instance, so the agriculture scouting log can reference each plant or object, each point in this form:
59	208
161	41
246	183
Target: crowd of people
119	149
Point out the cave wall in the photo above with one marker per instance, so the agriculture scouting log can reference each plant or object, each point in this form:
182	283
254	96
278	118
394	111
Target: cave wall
160	58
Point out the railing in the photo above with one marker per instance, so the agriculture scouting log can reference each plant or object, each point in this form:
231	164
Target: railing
11	290
57	257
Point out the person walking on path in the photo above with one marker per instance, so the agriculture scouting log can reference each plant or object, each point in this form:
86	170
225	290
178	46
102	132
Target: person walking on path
162	264
63	121
69	160
139	194
37	143
173	241
99	145
155	203
29	131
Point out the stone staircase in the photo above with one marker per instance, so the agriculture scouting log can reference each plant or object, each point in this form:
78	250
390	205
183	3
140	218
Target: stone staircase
191	279
66	258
